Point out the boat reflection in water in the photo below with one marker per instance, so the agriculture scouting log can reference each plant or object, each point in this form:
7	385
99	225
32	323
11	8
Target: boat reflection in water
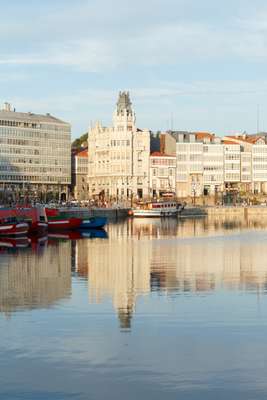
13	243
38	243
76	235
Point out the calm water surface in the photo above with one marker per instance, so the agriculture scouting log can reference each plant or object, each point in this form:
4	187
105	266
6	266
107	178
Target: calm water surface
156	310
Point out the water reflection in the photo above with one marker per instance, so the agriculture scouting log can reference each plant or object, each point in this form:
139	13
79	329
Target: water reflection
134	261
141	256
34	279
188	297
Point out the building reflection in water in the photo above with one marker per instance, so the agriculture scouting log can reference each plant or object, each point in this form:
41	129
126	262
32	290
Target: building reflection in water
34	279
118	268
134	261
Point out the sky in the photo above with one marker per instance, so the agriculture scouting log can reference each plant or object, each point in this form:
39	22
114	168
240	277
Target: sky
188	64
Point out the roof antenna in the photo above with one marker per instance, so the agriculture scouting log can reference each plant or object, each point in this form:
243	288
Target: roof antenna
258	118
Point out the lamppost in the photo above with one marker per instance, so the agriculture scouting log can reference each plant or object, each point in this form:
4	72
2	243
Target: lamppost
59	188
194	192
216	195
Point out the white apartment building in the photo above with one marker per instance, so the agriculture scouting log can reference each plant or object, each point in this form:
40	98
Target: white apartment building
80	174
213	167
246	171
232	163
253	161
35	155
209	165
162	175
189	172
118	160
259	166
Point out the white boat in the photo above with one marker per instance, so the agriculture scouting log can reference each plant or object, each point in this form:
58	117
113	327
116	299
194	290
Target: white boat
156	209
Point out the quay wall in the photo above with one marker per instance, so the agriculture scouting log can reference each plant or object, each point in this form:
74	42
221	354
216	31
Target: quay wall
193	212
237	211
109	213
188	212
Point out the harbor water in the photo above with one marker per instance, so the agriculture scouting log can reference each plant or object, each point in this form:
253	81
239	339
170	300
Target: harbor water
151	309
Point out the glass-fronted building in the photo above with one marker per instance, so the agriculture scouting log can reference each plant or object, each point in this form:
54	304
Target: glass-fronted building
35	155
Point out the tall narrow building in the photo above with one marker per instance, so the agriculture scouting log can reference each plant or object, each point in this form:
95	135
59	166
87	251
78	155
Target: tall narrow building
118	156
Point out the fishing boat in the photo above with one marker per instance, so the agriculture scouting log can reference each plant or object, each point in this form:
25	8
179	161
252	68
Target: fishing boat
58	224
63	215
93	223
156	209
35	217
12	227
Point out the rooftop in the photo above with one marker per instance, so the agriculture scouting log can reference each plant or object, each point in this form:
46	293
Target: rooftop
204	135
225	141
82	153
11	114
158	154
251	139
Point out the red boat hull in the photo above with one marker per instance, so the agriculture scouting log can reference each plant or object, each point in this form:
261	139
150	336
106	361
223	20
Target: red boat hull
64	224
14	229
38	227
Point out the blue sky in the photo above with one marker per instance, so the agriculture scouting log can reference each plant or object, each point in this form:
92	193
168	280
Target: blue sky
201	64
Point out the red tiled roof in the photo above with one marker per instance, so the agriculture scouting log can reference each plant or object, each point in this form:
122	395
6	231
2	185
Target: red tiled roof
202	135
82	153
247	139
158	154
230	142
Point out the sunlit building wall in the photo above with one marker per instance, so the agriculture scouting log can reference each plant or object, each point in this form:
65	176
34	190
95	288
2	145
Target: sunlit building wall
118	161
35	154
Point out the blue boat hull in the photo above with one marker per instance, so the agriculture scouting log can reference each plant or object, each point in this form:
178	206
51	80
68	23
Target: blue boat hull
93	223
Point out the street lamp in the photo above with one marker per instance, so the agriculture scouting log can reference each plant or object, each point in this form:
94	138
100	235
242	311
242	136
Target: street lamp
194	192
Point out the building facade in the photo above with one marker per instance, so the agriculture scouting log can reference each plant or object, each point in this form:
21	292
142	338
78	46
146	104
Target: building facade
207	165
253	163
118	160
213	167
232	164
189	172
35	156
162	175
80	175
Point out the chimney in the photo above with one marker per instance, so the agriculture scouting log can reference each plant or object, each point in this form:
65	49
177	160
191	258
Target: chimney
7	106
162	142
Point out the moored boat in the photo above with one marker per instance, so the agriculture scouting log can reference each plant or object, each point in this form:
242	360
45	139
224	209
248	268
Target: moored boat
156	209
93	223
35	217
57	224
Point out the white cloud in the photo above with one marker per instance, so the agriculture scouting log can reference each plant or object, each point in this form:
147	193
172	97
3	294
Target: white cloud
109	35
197	105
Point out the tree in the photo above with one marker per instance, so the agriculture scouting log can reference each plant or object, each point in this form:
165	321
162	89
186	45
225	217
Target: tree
77	143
